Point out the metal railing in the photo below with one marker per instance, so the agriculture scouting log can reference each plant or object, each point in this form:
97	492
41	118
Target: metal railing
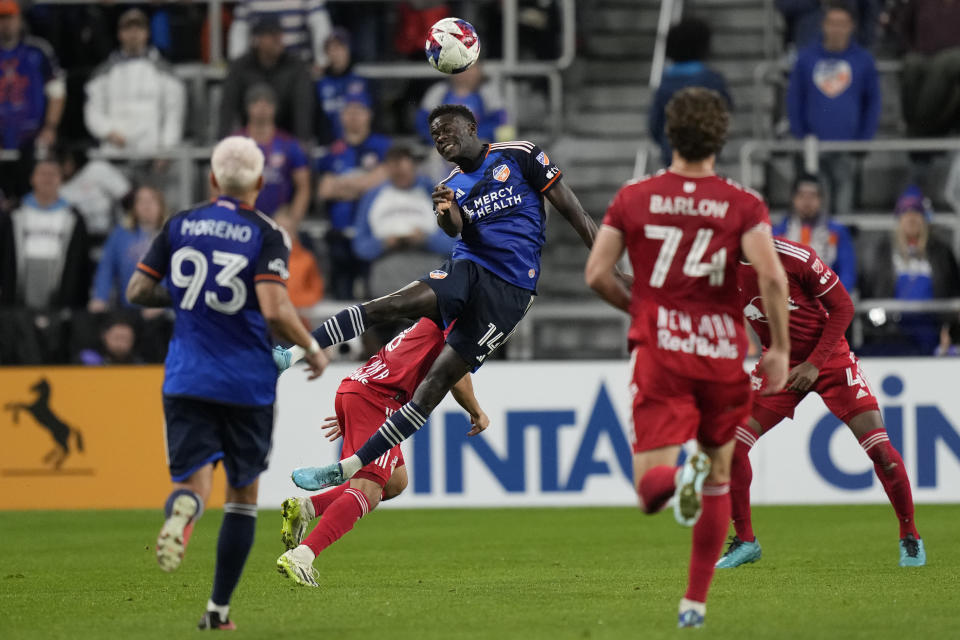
670	12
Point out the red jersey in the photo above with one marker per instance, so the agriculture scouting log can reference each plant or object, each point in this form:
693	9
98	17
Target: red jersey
808	280
683	237
401	365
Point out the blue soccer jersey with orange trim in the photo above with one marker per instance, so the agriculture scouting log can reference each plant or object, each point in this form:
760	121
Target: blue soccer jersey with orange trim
211	258
504	219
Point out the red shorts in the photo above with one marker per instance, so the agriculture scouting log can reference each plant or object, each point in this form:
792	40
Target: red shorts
669	409
841	384
360	415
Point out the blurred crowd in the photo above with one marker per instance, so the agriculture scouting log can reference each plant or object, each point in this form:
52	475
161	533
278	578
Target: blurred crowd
93	111
833	93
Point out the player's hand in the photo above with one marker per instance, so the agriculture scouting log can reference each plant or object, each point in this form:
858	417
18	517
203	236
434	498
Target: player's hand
774	364
316	363
331	428
802	377
442	198
478	423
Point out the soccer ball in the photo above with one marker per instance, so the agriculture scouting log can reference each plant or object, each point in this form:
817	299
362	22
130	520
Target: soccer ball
452	45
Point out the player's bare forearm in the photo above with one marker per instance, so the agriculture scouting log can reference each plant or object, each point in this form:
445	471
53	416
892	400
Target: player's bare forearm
449	216
463	393
566	202
600	273
147	292
281	316
757	245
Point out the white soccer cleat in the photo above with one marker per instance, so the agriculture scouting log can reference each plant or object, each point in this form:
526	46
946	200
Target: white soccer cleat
687	502
172	541
297	564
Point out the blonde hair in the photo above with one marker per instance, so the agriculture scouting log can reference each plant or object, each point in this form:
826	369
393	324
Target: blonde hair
237	164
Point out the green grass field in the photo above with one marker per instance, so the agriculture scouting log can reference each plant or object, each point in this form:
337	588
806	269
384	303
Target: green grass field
827	572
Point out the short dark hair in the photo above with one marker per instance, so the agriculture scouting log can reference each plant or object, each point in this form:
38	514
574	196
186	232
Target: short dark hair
805	177
841	5
688	40
697	123
452	110
399	152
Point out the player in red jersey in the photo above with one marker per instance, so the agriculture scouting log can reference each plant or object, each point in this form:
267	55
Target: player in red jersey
364	399
685	229
821	362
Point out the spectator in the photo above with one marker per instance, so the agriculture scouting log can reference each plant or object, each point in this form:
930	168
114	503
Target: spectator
911	264
32	96
134	102
338	80
95	188
834	94
470	89
268	62
286	174
804	17
305	284
124	248
116	346
44	251
808	224
353	167
930	31
688	44
305	27
396	227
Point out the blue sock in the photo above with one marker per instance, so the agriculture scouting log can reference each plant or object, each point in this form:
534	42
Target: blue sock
176	493
233	546
398	427
346	325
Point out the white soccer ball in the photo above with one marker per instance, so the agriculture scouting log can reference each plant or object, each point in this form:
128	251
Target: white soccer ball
452	45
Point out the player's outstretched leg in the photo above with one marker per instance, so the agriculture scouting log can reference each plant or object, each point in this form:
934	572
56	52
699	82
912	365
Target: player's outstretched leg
182	509
744	548
888	465
687	502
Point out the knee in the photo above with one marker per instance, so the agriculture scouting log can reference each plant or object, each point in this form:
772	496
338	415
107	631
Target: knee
396	484
719	474
370	490
243	495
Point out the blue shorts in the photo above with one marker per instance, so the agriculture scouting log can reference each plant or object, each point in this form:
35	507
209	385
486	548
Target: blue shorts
200	432
486	307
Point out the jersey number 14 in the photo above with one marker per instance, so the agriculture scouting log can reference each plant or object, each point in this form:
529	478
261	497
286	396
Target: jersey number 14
231	264
693	266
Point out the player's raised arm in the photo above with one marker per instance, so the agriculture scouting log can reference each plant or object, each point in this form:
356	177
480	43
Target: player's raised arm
462	392
757	245
447	211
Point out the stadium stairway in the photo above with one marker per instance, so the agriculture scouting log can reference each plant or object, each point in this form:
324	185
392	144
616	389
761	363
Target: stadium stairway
608	97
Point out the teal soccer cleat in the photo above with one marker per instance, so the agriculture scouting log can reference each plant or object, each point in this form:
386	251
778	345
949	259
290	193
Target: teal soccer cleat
282	358
912	553
738	553
316	478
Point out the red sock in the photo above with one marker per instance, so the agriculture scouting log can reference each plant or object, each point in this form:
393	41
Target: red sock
323	500
338	519
741	475
708	536
889	468
656	487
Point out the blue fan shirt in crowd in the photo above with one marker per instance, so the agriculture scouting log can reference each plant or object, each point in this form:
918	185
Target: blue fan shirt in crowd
331	91
834	95
282	156
486	104
121	253
343	159
504	219
25	71
211	257
676	77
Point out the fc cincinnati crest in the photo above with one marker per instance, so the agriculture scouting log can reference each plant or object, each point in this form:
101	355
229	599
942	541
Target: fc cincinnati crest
543	159
501	173
832	76
438	275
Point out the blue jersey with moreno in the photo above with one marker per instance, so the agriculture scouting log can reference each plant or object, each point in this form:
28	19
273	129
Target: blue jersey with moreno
210	258
504	220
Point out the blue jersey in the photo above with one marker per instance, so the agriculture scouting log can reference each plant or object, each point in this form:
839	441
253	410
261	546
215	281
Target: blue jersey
343	159
331	90
25	71
283	155
504	220
211	257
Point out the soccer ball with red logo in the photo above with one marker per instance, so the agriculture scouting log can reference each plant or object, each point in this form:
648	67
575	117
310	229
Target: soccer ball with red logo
452	45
